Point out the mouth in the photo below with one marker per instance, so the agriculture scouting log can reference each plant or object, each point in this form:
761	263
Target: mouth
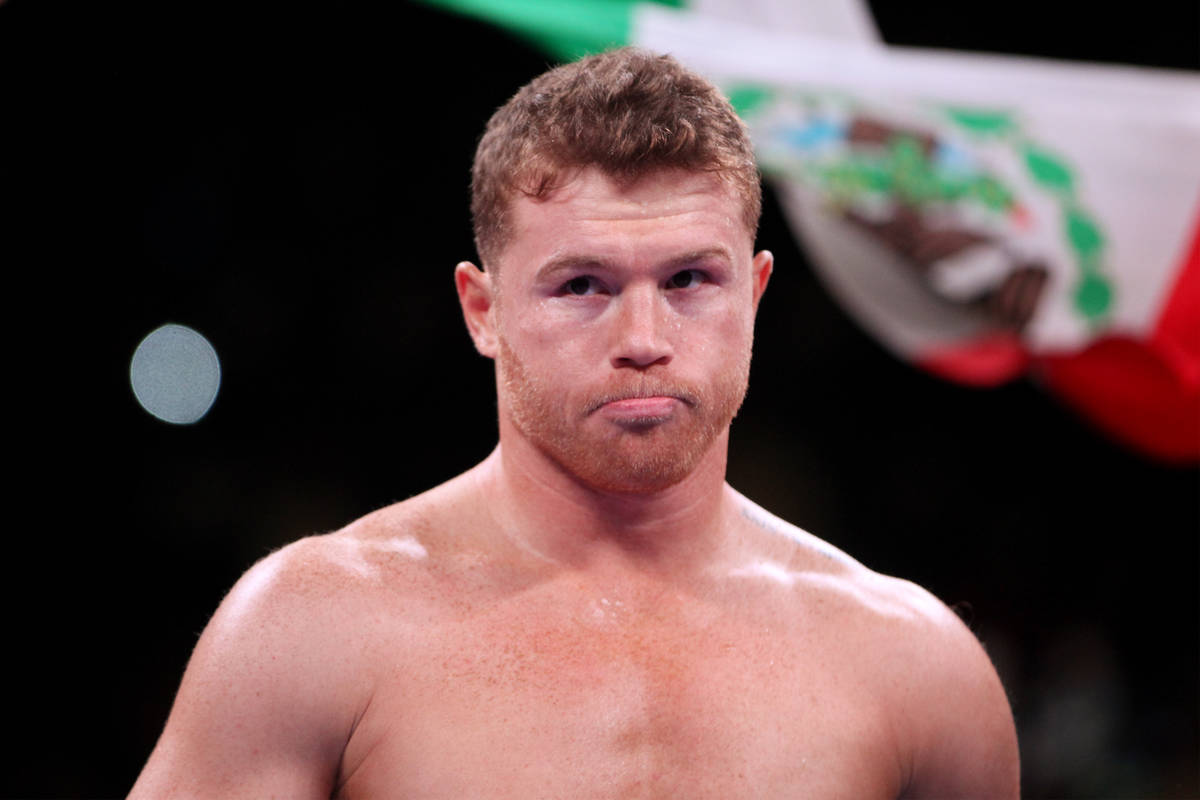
641	406
639	413
640	410
648	402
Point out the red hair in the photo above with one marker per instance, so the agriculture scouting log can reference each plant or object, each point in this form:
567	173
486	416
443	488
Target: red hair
627	112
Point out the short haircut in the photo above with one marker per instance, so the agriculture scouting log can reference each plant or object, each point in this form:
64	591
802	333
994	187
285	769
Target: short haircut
628	112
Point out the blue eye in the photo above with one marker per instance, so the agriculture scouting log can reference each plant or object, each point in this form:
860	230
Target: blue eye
685	279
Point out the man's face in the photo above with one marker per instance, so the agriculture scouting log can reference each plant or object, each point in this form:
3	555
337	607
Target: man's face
624	317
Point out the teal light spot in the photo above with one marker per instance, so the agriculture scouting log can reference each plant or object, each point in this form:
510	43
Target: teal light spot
175	374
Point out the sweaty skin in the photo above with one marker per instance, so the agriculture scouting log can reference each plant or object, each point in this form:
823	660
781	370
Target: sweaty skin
591	612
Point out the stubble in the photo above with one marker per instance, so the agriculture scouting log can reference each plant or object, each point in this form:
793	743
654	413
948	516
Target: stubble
625	459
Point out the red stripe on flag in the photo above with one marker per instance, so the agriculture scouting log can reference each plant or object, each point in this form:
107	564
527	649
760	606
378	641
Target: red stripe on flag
984	362
1178	329
1144	393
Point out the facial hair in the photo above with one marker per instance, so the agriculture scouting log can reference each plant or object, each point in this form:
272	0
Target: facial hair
609	457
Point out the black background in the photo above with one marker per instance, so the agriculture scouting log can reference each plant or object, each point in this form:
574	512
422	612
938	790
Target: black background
292	182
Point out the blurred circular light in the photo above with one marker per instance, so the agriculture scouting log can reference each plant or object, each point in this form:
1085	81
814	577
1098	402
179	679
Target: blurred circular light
175	374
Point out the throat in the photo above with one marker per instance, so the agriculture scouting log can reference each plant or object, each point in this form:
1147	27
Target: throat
562	522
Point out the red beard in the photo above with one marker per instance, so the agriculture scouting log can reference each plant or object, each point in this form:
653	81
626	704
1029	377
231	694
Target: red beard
612	458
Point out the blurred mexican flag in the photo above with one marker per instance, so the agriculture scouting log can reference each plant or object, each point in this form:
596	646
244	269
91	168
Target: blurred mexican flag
983	216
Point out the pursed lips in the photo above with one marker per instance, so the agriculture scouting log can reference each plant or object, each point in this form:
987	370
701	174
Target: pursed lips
659	400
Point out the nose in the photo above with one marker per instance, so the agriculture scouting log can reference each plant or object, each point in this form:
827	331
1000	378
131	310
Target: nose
641	338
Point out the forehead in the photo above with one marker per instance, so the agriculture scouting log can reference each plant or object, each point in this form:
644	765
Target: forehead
657	213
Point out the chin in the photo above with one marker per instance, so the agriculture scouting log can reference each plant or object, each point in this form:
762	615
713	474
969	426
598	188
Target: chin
647	476
604	457
642	463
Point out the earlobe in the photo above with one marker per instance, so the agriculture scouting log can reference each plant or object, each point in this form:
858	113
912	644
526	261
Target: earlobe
760	273
476	298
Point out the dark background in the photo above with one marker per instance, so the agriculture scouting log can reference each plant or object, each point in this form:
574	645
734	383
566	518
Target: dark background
292	182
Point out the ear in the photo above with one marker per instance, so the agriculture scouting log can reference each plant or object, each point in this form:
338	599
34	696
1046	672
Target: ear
476	298
760	273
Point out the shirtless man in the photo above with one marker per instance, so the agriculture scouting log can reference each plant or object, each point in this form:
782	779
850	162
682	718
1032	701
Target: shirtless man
592	611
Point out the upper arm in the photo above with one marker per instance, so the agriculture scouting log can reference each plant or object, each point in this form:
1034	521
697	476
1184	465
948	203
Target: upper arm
963	739
264	707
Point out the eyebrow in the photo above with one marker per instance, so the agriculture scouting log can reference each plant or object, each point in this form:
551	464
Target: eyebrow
568	263
580	262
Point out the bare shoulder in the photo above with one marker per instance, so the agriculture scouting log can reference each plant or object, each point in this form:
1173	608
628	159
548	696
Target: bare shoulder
882	605
402	556
951	704
950	710
320	578
283	670
952	714
323	590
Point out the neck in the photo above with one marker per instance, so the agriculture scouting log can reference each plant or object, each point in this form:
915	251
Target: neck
680	530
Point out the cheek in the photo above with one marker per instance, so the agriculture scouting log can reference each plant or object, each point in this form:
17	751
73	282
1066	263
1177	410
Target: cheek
531	327
553	356
728	333
550	331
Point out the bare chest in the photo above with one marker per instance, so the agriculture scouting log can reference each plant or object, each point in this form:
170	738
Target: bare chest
601	701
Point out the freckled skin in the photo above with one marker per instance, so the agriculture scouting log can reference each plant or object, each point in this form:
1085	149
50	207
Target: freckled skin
592	612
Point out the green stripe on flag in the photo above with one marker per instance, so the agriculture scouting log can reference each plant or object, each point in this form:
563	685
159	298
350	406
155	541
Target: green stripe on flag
567	29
